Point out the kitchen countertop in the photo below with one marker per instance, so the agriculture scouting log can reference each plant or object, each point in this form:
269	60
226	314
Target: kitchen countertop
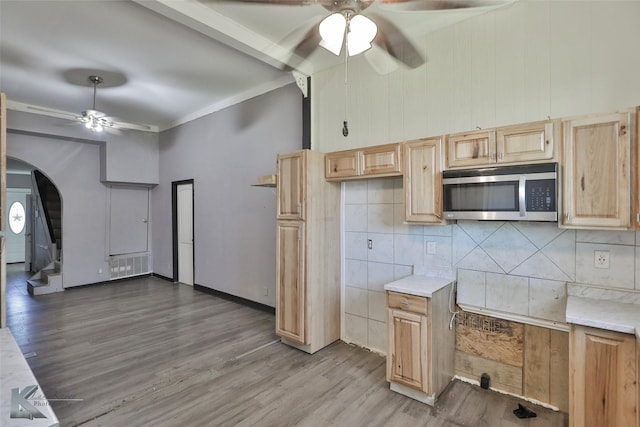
419	285
610	315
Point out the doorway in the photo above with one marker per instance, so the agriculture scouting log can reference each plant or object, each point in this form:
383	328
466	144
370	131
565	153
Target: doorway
17	220
183	232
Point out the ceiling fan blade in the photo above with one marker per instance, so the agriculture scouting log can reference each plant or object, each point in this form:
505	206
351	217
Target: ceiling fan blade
54	113
304	48
112	124
391	39
276	2
381	62
402	5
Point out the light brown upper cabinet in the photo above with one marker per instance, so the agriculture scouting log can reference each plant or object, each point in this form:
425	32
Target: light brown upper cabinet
291	186
370	162
527	142
597	171
423	181
471	148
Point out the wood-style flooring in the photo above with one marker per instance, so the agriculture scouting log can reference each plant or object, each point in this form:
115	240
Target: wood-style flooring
147	352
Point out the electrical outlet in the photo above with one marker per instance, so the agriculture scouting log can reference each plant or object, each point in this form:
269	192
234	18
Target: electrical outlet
601	259
431	248
265	291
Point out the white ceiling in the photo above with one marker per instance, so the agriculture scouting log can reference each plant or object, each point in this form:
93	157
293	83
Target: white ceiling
170	60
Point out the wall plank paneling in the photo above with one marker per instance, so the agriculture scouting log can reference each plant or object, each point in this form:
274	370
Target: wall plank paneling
515	64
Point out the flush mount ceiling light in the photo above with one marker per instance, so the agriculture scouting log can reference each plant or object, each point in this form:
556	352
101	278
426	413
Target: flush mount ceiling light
359	29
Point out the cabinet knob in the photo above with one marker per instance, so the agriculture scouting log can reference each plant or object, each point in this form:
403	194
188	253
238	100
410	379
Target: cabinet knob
404	303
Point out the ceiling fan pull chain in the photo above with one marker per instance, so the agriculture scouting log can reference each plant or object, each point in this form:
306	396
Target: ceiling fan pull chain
345	125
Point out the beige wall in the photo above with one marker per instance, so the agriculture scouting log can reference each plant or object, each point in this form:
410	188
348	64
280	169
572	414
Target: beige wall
529	61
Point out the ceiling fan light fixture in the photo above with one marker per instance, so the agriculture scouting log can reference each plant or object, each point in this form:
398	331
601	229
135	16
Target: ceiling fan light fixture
362	31
332	32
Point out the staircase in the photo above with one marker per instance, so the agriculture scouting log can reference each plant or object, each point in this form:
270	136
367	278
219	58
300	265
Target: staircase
47	280
52	208
47	235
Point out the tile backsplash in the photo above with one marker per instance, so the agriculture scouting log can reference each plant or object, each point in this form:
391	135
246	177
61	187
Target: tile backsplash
517	268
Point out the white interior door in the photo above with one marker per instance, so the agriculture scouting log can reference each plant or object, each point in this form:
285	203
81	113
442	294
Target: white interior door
128	220
16	225
185	233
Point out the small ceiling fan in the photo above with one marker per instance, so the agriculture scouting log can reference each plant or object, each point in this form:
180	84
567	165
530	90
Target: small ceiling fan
347	26
93	119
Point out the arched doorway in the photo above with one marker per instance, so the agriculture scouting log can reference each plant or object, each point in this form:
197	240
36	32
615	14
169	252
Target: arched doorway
34	217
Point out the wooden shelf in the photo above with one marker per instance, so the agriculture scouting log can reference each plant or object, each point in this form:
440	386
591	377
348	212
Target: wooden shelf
266	181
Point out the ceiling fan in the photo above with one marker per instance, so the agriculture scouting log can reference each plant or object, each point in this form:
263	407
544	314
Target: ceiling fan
346	26
93	119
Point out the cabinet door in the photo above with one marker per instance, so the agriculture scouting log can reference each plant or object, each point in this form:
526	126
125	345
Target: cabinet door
602	388
423	181
597	172
290	286
471	148
291	185
407	362
381	160
342	164
527	142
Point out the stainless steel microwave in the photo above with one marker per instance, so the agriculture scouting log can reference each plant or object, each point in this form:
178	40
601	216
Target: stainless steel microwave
505	193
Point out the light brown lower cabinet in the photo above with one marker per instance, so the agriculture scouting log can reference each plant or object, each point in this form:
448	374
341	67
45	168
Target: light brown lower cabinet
603	389
420	345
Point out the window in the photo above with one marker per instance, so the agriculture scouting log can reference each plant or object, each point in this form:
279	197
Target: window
16	217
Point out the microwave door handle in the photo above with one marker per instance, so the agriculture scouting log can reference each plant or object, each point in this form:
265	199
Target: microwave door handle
521	196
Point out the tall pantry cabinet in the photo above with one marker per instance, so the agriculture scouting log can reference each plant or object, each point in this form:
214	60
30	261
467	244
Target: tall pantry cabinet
308	252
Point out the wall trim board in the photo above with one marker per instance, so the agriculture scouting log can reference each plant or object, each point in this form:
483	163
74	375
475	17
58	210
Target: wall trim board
235	298
160	276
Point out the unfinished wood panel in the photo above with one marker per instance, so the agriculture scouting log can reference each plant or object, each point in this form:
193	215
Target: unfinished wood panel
559	372
407	302
342	164
597	171
490	338
603	378
546	368
423	181
503	377
290	289
471	148
525	142
382	160
442	343
291	186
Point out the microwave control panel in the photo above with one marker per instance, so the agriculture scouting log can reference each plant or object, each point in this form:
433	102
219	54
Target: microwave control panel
541	195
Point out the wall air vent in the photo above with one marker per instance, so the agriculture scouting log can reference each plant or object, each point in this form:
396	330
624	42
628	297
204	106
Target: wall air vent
121	266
